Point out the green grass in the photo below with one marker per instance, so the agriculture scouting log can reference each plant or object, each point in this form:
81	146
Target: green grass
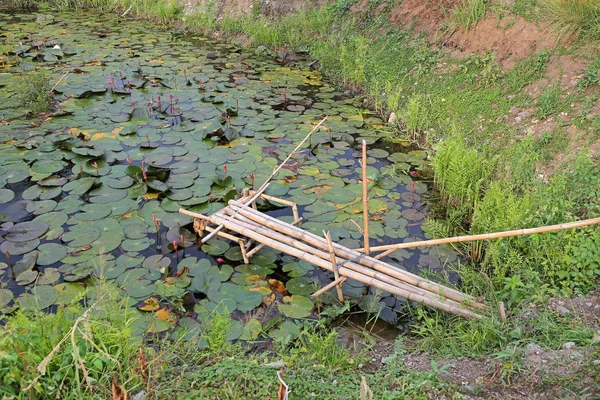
469	13
73	353
574	18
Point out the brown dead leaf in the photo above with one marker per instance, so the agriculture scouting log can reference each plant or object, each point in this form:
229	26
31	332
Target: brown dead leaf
118	391
151	304
277	286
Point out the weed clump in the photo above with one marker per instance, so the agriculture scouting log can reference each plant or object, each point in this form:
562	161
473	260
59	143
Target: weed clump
35	92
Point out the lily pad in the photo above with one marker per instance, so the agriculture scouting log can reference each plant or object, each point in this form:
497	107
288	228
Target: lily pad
296	306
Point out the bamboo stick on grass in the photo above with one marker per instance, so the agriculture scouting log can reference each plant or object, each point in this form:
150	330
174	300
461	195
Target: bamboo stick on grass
487	236
365	195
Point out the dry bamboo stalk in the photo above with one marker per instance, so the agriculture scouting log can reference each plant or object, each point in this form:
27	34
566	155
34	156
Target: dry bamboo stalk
336	282
334	265
290	155
485	236
210	235
349	254
260	246
365	198
502	310
243	251
241	222
445	305
193	214
346	253
274	199
224	235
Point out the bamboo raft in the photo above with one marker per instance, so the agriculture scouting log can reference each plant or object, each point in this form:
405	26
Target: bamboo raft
242	223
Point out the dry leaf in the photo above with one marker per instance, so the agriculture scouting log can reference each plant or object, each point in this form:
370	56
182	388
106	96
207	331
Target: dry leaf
118	391
277	286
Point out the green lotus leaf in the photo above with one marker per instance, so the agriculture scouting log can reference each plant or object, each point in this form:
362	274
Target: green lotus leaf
69	293
49	276
26	231
215	247
81	235
158	262
106	195
18	248
79	186
6	195
288	331
41	192
264	257
301	286
252	330
26	277
50	253
41	297
6	297
296	306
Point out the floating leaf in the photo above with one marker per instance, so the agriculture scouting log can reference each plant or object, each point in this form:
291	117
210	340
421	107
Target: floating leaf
301	286
26	231
296	306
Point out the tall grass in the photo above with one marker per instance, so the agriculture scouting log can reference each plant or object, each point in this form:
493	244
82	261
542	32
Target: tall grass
469	13
461	172
574	18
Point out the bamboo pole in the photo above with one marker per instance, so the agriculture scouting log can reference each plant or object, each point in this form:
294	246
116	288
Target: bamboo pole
242	222
486	236
334	265
365	198
336	282
290	155
346	253
243	251
223	234
274	199
260	246
210	235
447	306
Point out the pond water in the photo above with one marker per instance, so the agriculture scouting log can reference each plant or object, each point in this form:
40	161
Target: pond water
146	122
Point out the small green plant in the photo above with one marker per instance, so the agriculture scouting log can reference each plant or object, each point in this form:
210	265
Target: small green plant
35	92
322	348
550	102
470	12
25	5
589	78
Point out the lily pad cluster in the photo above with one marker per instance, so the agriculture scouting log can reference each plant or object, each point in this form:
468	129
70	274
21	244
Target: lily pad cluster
147	123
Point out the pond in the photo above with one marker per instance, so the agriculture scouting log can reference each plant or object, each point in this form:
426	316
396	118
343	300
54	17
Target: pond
147	122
